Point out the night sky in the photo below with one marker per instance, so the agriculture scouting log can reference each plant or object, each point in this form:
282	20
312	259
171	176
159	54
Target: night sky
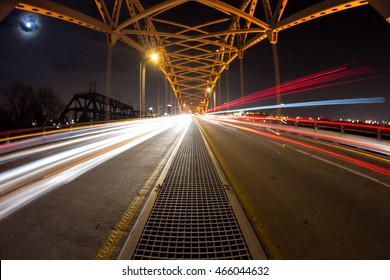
66	58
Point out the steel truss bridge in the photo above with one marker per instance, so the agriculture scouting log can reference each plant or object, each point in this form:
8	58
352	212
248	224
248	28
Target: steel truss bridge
90	106
195	40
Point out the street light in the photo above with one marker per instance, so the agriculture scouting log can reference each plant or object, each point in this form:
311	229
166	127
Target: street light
142	67
154	57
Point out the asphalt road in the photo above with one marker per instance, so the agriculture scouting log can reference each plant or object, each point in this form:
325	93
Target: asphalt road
305	202
306	199
75	219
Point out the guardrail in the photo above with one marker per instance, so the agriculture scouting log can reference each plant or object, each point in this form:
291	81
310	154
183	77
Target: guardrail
366	130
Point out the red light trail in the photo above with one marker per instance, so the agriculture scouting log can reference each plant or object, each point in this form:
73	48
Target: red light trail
312	147
317	122
327	78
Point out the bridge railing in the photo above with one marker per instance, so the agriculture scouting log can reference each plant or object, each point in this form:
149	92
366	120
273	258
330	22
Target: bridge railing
380	132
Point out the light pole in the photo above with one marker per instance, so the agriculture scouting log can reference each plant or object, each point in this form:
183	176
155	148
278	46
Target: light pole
142	78
208	98
215	99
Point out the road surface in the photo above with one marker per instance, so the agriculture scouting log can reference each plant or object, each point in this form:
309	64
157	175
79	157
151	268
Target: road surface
307	199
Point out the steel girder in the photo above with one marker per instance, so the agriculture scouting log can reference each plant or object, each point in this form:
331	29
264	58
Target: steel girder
196	40
91	106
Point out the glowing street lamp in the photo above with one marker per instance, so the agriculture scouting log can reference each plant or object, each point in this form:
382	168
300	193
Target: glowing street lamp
154	57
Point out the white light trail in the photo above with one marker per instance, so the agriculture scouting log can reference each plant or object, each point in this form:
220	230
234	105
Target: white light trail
124	139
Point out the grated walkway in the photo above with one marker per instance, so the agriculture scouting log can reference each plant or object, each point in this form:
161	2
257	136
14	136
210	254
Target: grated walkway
192	217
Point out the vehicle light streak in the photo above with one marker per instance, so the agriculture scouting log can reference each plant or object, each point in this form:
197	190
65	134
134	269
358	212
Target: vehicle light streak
348	159
332	77
313	122
21	185
27	140
369	100
70	140
28	133
366	145
8	177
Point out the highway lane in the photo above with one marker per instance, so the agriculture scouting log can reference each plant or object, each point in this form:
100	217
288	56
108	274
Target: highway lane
306	199
76	199
67	157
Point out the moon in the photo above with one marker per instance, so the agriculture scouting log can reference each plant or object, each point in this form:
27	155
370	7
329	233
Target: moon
29	25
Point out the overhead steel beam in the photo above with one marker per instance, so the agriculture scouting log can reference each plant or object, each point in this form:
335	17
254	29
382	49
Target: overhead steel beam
226	7
277	15
194	55
149	12
51	9
116	11
104	13
316	11
185	38
321	9
130	7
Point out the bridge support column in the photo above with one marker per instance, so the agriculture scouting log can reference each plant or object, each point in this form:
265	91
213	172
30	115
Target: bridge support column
273	39
227	89
107	91
111	40
158	94
240	57
277	79
219	90
142	73
382	7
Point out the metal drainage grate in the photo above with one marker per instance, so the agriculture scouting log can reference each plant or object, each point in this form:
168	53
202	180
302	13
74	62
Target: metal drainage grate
192	217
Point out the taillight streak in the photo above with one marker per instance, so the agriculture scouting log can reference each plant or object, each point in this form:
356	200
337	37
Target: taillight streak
369	166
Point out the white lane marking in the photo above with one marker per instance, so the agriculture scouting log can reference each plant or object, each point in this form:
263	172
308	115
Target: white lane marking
273	131
345	168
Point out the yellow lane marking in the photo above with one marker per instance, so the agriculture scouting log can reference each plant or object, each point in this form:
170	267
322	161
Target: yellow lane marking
117	233
112	241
